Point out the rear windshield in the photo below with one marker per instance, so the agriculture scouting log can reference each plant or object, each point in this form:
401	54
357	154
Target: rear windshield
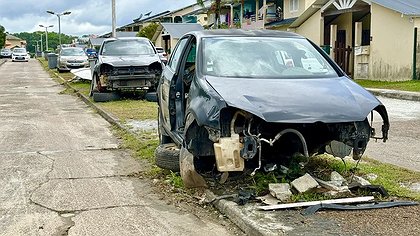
72	52
127	47
259	57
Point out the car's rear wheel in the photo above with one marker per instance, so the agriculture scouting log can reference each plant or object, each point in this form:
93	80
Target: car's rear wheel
167	156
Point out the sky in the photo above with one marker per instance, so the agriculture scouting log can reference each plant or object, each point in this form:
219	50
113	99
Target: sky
87	16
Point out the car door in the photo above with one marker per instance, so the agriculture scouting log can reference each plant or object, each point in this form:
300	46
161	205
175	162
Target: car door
167	86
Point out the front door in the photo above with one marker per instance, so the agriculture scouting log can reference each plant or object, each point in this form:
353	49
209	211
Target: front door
167	86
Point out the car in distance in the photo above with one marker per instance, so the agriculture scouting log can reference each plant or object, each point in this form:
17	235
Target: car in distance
130	63
240	100
71	58
162	54
5	52
91	53
20	54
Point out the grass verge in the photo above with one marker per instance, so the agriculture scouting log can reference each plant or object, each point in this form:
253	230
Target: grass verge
411	85
132	109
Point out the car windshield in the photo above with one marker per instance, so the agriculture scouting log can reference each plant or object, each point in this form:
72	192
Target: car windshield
19	50
72	52
127	47
261	57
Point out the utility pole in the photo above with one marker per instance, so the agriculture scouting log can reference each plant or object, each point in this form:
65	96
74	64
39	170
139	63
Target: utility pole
114	20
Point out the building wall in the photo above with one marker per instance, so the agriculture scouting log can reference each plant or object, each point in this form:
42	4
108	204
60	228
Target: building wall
288	14
391	46
345	22
312	28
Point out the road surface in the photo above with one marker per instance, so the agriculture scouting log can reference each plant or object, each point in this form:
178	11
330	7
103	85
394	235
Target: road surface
403	147
62	173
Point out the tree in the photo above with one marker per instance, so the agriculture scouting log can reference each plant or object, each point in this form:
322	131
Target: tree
148	31
53	42
215	7
2	36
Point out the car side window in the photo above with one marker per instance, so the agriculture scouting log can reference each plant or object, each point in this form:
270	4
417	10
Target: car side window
176	56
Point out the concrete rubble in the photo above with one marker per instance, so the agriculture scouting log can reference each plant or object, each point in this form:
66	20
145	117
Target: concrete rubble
304	183
280	191
359	180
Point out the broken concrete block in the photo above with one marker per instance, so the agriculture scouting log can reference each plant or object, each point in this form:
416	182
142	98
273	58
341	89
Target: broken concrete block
360	180
337	179
280	191
304	183
269	199
371	177
330	185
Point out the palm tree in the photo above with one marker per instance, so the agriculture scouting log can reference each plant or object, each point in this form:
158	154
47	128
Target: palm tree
216	4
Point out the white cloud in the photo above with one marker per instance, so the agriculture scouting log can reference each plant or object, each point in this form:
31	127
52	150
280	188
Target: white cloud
87	17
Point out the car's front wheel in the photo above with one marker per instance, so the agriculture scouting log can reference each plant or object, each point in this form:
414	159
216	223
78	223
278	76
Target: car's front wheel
98	84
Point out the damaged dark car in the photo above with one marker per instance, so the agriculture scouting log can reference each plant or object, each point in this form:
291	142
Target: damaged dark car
238	100
126	64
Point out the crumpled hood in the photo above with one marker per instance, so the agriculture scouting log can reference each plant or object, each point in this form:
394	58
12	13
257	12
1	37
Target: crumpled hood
330	100
142	60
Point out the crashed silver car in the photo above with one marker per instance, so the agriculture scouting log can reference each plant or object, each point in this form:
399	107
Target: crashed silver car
241	99
130	63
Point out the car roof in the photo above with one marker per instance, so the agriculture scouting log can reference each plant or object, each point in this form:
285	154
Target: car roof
244	33
126	38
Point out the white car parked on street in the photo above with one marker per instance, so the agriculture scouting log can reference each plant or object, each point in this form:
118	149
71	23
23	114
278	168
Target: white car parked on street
20	54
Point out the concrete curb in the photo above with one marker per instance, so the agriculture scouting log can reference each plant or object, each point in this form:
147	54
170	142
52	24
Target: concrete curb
234	213
403	95
2	61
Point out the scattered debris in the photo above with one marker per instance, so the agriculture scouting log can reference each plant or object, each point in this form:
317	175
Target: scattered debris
270	167
359	181
312	209
337	179
283	169
372	189
415	187
330	185
280	191
312	203
371	177
189	176
244	197
268	200
304	183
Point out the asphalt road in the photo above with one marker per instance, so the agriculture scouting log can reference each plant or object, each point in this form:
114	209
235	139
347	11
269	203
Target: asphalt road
403	147
61	172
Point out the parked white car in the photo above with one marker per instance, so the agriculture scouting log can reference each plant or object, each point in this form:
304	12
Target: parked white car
20	54
71	58
5	52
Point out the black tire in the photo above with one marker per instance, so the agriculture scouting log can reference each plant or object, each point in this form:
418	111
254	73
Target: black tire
105	97
167	156
151	97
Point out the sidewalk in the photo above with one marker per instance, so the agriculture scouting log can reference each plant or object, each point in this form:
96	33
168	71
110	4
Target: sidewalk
397	94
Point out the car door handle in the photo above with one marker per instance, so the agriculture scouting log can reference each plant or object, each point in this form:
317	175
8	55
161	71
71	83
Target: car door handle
178	95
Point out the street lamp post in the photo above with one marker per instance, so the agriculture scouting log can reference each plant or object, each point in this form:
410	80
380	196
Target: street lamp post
42	47
59	23
114	20
46	34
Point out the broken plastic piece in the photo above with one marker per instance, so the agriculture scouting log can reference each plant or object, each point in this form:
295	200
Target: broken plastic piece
312	209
